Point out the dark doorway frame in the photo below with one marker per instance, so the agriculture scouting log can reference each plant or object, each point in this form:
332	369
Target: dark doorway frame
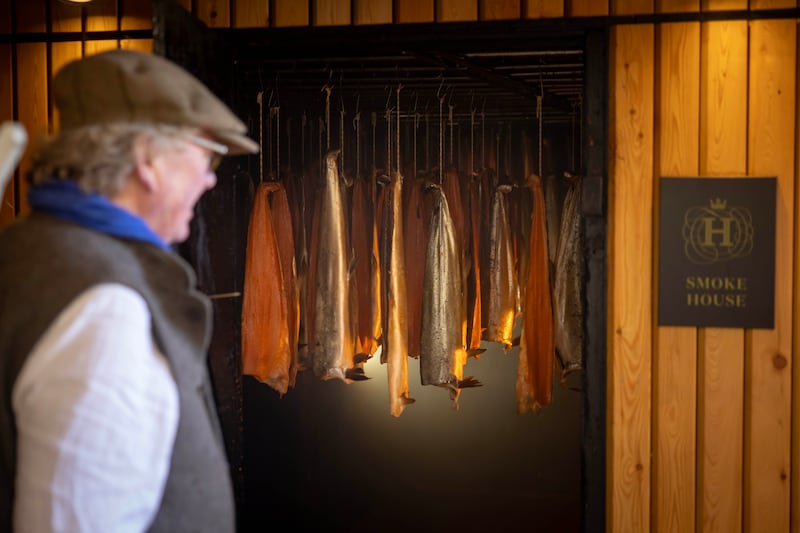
207	54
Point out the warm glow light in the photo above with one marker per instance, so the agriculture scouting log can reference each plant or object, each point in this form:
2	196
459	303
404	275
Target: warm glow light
77	2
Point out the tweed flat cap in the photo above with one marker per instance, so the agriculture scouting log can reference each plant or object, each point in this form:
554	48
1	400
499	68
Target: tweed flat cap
130	86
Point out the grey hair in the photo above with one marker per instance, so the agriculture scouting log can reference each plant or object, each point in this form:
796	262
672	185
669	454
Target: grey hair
100	157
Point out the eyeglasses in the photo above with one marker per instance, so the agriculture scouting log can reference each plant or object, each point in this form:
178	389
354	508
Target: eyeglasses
218	150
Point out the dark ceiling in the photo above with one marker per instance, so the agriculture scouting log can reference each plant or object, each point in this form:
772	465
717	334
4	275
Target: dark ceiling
498	70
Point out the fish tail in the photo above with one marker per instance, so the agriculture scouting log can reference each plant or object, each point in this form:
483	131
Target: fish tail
361	358
355	374
475	352
468	383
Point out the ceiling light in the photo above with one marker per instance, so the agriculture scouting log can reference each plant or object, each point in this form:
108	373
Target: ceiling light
76	2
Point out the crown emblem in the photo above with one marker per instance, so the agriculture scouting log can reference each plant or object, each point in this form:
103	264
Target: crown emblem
718	204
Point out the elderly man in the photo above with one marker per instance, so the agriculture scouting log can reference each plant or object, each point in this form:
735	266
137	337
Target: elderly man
107	420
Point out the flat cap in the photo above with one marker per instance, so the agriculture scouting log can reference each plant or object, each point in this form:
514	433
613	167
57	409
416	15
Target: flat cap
130	86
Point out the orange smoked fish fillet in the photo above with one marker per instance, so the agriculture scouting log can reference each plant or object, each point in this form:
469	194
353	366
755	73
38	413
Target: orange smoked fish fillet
265	333
537	346
284	235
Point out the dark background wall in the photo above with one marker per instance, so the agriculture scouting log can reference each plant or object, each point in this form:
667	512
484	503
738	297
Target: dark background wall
329	457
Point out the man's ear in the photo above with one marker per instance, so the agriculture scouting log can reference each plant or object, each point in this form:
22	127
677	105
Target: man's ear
144	169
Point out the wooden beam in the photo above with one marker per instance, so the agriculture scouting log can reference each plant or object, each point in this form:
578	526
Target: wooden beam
768	367
723	152
630	277
675	358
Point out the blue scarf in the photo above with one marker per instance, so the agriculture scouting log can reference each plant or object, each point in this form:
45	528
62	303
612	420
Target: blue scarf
65	200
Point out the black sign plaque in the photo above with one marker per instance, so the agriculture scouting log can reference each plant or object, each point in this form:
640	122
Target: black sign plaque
717	252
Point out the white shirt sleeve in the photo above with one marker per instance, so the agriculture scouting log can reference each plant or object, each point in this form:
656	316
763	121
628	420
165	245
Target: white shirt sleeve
96	409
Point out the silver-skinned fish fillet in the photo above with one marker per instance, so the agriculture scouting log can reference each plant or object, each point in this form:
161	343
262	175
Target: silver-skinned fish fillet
442	351
502	304
332	353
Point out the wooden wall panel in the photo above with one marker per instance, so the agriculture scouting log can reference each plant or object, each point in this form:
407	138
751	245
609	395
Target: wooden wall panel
372	12
5	16
31	110
101	15
795	458
722	5
456	10
331	13
537	9
723	152
289	13
60	55
30	16
677	6
586	8
250	13
64	17
630	274
768	384
213	13
136	15
675	358
95	47
142	45
498	9
631	7
772	4
413	11
7	209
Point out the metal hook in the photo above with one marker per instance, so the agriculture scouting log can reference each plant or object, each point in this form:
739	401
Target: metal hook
439	90
388	97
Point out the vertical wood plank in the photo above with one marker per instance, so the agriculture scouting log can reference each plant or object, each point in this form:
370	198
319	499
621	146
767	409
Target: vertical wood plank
456	10
772	4
7	208
768	384
289	13
32	110
331	12
95	47
413	11
64	17
795	458
250	13
5	16
141	45
373	12
630	276
538	9
677	6
31	16
136	15
675	360
723	152
60	55
498	9
631	7
101	15
213	13
586	8
722	5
